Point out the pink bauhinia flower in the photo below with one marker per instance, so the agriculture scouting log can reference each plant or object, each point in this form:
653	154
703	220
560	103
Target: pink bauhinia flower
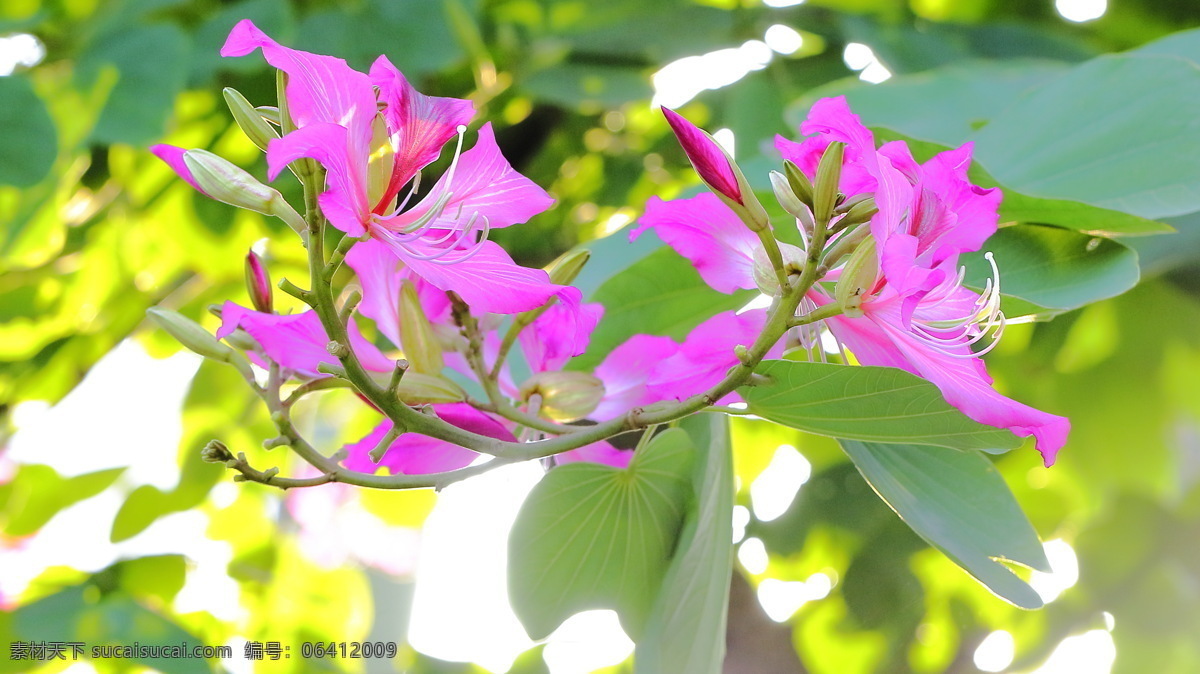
911	311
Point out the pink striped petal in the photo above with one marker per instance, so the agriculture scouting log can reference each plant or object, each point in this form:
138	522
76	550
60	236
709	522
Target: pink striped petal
707	233
707	354
624	373
558	334
416	454
344	203
419	125
484	183
297	341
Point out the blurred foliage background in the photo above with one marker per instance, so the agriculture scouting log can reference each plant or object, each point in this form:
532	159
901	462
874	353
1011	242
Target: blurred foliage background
94	230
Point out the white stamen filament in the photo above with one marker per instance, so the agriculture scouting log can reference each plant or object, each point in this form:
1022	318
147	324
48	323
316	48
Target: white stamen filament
986	318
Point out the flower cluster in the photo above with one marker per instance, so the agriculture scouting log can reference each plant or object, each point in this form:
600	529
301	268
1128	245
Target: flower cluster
442	307
887	233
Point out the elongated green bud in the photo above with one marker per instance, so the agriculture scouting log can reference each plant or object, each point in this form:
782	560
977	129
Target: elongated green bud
786	197
857	278
859	212
566	268
566	396
269	113
224	181
420	344
418	388
248	119
800	184
825	191
196	339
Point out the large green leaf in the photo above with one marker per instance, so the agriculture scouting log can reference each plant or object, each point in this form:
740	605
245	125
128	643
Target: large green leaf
38	493
660	294
591	536
28	139
943	106
960	504
1055	268
686	629
878	404
1076	138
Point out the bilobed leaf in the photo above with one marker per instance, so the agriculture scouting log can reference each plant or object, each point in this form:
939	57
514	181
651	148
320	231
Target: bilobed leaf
591	536
686	629
28	138
1136	153
660	294
876	404
960	504
1055	268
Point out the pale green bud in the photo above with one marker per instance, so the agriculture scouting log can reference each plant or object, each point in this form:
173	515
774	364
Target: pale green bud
800	184
566	268
418	388
421	345
196	339
566	396
825	191
248	119
764	272
786	197
859	211
222	180
858	276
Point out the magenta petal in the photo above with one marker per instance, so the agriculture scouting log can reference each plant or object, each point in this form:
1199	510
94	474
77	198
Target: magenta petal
707	233
707	157
344	203
416	454
489	281
296	341
319	89
707	354
624	373
420	125
173	156
484	183
597	452
558	334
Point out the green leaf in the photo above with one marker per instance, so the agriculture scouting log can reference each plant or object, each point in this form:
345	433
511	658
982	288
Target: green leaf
660	294
686	629
944	106
1137	152
39	493
960	504
144	505
592	536
1055	268
152	66
28	138
575	84
878	404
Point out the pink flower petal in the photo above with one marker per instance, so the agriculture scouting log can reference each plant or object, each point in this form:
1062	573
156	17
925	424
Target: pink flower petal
624	373
707	354
297	341
344	203
707	233
483	183
707	157
598	452
420	125
173	156
319	89
416	454
558	334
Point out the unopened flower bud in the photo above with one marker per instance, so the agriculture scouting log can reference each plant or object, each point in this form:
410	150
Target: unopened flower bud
857	279
216	452
825	190
718	170
249	120
566	396
859	210
258	283
566	268
198	340
764	271
418	388
225	182
801	186
786	197
421	345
